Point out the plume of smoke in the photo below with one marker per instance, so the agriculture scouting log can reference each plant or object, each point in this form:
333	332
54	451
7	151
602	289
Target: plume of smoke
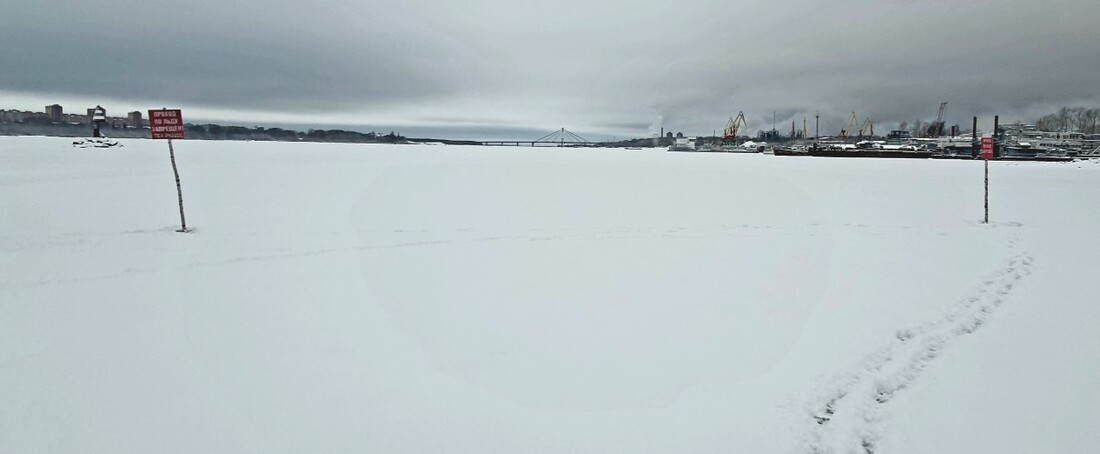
657	125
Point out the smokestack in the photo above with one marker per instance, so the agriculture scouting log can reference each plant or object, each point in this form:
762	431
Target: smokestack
974	139
996	125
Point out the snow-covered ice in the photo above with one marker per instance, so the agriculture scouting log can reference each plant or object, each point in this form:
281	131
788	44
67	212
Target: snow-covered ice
376	298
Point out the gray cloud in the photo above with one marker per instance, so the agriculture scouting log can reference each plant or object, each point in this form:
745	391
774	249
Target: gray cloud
610	68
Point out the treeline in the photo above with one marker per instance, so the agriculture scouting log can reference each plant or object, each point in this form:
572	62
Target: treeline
1071	119
218	132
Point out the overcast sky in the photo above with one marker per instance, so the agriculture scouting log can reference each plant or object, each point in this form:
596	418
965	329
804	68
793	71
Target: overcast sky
604	68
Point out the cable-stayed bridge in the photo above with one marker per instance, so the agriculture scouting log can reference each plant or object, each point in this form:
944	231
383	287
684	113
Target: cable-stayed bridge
559	138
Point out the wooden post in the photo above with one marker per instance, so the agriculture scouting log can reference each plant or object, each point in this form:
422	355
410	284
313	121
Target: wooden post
179	190
996	126
986	221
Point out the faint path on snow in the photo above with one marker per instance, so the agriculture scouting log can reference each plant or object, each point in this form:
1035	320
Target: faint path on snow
402	238
845	416
397	239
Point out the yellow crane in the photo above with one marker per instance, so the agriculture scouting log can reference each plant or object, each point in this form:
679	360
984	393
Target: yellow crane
868	128
853	122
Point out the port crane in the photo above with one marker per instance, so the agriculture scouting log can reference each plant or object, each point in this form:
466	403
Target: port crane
868	128
936	128
729	134
853	122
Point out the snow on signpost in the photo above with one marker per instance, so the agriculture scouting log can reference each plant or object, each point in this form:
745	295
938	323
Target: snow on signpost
168	124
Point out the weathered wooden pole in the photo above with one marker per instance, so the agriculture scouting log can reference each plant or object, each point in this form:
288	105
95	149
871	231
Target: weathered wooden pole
986	221
179	188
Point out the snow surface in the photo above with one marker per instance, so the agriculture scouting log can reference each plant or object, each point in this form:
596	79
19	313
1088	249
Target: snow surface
373	298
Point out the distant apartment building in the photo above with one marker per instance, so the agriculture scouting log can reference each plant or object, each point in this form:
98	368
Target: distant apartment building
15	116
135	119
54	113
74	119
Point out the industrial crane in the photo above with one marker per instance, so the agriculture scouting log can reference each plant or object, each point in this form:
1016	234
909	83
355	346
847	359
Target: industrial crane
868	128
730	133
853	122
936	128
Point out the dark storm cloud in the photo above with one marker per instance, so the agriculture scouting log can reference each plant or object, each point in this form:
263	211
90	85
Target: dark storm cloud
262	56
614	68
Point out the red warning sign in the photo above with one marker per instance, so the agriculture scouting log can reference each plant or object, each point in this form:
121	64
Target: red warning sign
987	148
166	123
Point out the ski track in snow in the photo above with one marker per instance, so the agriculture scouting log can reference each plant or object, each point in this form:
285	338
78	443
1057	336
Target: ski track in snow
845	416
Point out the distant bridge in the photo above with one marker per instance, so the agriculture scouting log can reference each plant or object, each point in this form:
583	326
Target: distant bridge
559	138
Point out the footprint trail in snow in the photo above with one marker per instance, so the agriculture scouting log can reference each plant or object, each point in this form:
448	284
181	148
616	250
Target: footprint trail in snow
845	416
